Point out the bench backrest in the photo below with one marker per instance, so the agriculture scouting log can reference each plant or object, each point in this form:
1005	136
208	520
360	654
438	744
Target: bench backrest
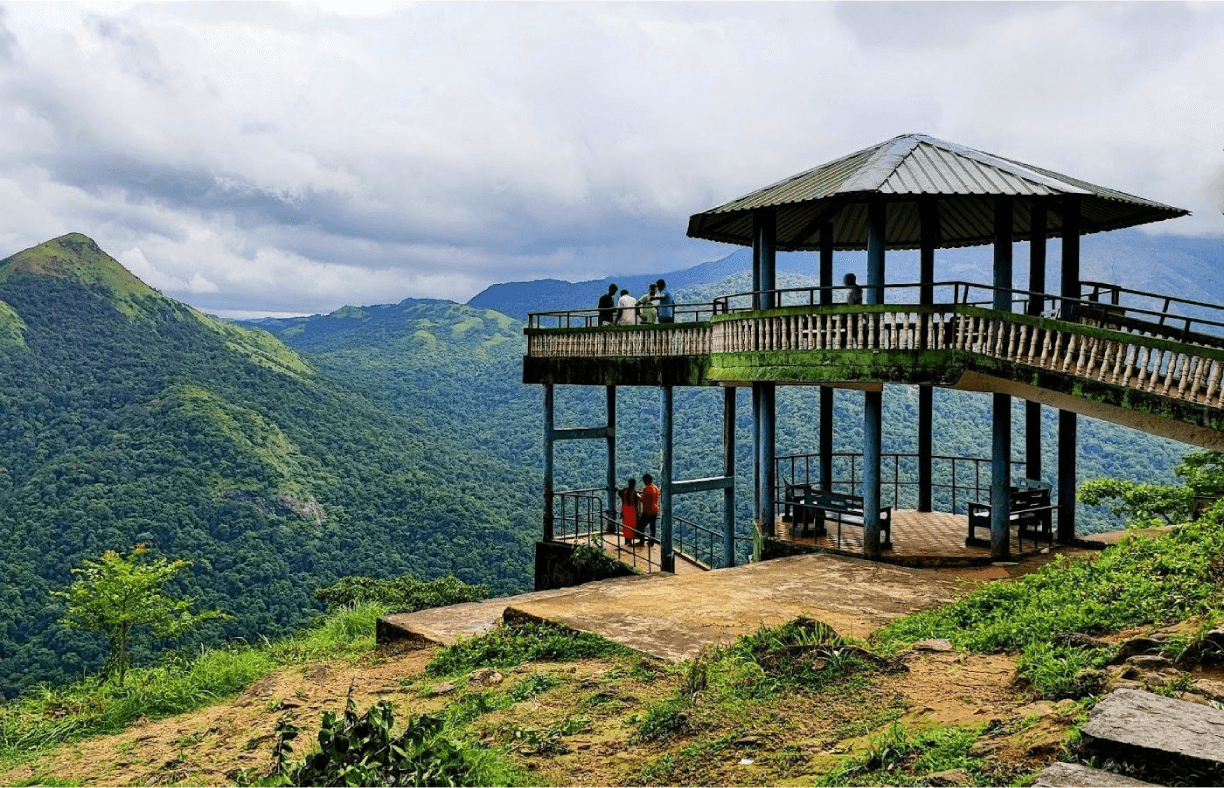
834	500
1020	500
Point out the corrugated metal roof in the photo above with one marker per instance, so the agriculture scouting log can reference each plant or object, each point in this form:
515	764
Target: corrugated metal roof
963	181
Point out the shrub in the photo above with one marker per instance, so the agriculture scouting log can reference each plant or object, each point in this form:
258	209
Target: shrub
401	594
507	647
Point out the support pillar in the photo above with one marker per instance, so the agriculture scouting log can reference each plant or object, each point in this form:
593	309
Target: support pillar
611	439
667	557
548	462
873	401
1036	305
764	247
826	392
766	449
929	216
729	394
1067	422
1000	454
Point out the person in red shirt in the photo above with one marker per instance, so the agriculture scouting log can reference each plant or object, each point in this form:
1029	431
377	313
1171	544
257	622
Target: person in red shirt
650	507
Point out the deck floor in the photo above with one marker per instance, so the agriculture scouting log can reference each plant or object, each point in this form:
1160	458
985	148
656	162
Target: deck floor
914	535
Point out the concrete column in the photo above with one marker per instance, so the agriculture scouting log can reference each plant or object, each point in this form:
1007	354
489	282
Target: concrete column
928	210
873	401
766	451
612	482
1000	454
764	251
1067	423
729	394
667	553
1036	305
548	462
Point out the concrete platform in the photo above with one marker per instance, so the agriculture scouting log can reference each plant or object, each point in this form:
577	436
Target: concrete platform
674	616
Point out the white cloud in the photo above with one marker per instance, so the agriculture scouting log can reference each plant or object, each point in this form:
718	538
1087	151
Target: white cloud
299	157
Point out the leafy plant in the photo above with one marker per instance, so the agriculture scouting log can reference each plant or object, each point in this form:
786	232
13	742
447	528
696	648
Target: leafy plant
360	751
506	647
401	594
1142	503
118	593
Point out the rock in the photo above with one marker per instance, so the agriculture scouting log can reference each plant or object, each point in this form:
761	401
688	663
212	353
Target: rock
949	777
445	688
485	678
1039	709
1209	688
1135	646
744	741
1152	662
1074	775
1141	725
934	644
1079	640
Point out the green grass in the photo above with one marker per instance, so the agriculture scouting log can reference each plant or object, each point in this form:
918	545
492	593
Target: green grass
900	757
1140	582
507	647
93	707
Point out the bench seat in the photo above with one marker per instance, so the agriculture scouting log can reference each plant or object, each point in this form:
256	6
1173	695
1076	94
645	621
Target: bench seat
818	507
1029	508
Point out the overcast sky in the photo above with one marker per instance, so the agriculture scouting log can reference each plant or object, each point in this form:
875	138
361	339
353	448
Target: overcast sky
292	158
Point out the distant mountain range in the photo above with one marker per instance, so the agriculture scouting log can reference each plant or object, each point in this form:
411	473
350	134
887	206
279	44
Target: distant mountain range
1189	267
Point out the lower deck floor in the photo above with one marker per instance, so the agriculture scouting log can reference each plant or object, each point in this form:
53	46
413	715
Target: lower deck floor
916	537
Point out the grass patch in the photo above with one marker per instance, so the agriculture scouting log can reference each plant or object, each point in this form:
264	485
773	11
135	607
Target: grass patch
401	594
1140	582
50	716
899	757
508	647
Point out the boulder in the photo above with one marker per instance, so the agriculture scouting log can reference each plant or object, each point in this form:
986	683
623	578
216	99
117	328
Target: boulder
1074	775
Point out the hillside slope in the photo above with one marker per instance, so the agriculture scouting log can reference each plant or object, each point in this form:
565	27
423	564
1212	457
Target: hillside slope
128	417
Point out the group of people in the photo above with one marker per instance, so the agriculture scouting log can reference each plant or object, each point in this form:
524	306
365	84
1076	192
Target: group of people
655	306
639	510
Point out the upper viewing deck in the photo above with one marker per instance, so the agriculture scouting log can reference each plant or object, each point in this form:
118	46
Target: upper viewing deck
1148	361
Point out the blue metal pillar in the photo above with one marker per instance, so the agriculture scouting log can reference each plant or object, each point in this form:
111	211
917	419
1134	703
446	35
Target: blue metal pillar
667	553
826	392
873	401
729	394
767	450
1067	422
548	462
764	245
928	210
612	486
1036	305
1000	455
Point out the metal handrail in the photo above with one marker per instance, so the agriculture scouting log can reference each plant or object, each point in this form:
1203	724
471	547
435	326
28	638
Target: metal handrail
961	293
594	525
967	493
708	558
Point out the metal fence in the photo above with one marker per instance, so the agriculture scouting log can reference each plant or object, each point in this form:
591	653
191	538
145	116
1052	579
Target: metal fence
579	517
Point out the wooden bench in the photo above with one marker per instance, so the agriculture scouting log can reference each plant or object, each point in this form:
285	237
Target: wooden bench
819	506
1029	508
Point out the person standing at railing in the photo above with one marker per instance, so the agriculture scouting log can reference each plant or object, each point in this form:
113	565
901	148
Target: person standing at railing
855	294
607	307
650	507
667	304
628	309
630	499
646	306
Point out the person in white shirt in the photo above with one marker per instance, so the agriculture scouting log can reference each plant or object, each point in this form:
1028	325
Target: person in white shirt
628	309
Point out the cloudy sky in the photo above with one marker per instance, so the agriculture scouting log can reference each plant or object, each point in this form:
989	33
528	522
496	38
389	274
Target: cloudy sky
291	158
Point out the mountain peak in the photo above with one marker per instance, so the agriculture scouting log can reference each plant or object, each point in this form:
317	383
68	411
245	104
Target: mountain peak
75	257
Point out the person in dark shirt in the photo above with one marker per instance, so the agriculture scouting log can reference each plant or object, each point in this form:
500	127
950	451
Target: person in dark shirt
607	306
855	294
666	304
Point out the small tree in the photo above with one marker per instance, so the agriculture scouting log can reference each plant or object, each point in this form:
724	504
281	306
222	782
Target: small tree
118	593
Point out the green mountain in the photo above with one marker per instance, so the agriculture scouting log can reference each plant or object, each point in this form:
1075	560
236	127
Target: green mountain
128	417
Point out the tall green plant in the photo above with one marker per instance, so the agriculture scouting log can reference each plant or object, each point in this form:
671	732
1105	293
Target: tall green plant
119	593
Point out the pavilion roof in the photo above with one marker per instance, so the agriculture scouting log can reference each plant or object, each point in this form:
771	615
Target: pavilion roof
905	170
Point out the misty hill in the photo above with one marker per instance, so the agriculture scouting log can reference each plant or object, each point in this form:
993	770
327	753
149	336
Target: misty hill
1189	267
128	417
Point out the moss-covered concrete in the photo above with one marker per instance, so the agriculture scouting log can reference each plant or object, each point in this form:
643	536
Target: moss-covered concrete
619	371
936	368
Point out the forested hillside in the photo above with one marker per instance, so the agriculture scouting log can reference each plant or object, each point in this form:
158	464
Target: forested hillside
127	417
